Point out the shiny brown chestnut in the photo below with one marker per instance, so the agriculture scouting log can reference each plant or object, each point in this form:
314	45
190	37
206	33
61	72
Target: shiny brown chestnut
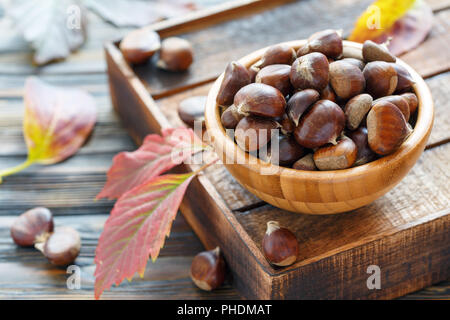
328	94
277	54
252	133
310	71
322	124
287	126
356	109
386	128
405	80
63	246
376	52
381	79
306	163
231	117
300	102
192	109
277	76
365	154
235	77
328	42
399	102
176	54
289	151
208	269
31	226
336	157
412	100
356	62
346	79
140	45
260	100
280	245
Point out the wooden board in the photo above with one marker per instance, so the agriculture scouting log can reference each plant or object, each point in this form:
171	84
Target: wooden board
406	232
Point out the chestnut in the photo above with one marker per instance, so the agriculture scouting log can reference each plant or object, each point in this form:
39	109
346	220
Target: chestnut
140	45
310	71
192	109
253	133
322	124
31	226
356	109
287	126
386	128
300	102
365	154
381	79
405	81
235	77
376	52
289	151
336	157
346	79
328	42
208	269
231	117
277	54
252	71
328	94
277	76
399	102
63	246
260	100
176	54
279	245
306	163
356	62
412	100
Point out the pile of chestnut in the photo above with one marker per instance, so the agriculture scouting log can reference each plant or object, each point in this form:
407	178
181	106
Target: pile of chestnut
334	111
175	54
35	227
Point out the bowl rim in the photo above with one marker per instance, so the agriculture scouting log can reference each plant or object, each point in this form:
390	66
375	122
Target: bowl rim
421	130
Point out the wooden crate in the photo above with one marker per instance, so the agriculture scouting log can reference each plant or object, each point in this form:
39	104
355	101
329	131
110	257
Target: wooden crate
406	233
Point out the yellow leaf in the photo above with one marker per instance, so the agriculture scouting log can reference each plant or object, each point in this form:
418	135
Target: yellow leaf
378	18
57	121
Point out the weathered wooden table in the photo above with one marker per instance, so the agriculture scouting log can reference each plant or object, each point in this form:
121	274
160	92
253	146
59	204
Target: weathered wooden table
69	188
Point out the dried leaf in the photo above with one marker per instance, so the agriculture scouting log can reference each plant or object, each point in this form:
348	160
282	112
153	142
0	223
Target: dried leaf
136	13
156	155
54	29
57	121
406	22
137	227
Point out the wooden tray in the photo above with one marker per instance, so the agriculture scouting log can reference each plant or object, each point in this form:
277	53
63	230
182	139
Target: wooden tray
405	233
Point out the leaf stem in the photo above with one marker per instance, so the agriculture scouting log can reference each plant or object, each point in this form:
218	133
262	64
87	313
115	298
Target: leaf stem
13	170
205	166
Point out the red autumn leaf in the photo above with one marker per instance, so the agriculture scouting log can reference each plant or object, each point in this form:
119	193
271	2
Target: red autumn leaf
57	122
136	229
156	155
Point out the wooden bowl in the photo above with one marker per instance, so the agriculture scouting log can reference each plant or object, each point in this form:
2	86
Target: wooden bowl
320	192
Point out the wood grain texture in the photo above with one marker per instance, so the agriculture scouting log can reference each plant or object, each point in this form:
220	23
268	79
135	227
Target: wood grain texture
247	34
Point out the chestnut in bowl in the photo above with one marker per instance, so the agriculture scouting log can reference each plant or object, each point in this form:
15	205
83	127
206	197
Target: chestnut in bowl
321	192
